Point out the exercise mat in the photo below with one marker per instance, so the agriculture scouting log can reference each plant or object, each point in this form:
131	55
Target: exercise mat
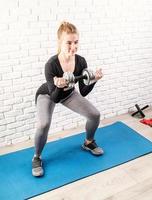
66	162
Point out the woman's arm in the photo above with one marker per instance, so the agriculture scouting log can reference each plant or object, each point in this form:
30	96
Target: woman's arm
54	91
85	89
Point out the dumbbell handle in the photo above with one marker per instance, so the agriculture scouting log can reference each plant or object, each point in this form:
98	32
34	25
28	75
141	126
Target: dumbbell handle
77	78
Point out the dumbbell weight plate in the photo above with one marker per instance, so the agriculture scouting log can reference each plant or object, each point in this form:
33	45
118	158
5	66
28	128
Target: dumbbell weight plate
90	78
69	77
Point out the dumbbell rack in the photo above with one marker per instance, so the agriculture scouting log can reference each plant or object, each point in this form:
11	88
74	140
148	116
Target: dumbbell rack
139	111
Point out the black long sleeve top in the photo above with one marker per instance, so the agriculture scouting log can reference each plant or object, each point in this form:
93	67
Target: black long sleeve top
52	69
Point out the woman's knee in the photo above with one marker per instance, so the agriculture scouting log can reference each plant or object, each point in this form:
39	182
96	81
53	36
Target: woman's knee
43	125
95	115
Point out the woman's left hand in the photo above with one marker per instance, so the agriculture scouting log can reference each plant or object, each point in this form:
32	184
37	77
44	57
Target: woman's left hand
98	74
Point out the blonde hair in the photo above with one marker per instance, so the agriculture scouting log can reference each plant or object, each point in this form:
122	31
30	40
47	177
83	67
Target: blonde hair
67	28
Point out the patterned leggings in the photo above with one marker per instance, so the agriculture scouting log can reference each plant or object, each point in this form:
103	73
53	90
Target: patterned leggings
75	102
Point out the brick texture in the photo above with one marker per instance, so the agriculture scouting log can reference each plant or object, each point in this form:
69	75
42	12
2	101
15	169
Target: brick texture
114	35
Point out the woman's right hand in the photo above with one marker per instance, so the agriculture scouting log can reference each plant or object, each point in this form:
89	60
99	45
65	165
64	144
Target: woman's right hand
60	82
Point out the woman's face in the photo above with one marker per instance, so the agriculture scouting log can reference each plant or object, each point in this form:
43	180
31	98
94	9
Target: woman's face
69	43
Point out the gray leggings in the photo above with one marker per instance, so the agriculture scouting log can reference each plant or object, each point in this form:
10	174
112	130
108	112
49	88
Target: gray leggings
75	102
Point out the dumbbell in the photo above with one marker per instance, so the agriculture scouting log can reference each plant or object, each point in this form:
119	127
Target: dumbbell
87	76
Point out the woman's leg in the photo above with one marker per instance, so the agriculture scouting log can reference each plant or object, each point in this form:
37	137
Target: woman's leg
81	105
45	109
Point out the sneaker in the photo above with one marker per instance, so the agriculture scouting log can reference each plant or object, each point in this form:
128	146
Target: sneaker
93	148
37	169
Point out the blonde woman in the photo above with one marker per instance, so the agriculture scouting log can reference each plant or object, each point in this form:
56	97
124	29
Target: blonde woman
55	91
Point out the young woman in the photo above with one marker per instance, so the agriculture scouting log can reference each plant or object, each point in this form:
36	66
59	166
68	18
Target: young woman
55	91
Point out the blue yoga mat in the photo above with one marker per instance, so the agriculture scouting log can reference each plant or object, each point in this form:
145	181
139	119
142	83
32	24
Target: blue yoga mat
65	161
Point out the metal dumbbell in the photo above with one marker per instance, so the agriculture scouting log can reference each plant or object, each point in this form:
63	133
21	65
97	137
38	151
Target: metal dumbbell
87	76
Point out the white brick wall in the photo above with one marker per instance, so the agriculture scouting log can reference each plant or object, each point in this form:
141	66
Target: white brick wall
114	34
